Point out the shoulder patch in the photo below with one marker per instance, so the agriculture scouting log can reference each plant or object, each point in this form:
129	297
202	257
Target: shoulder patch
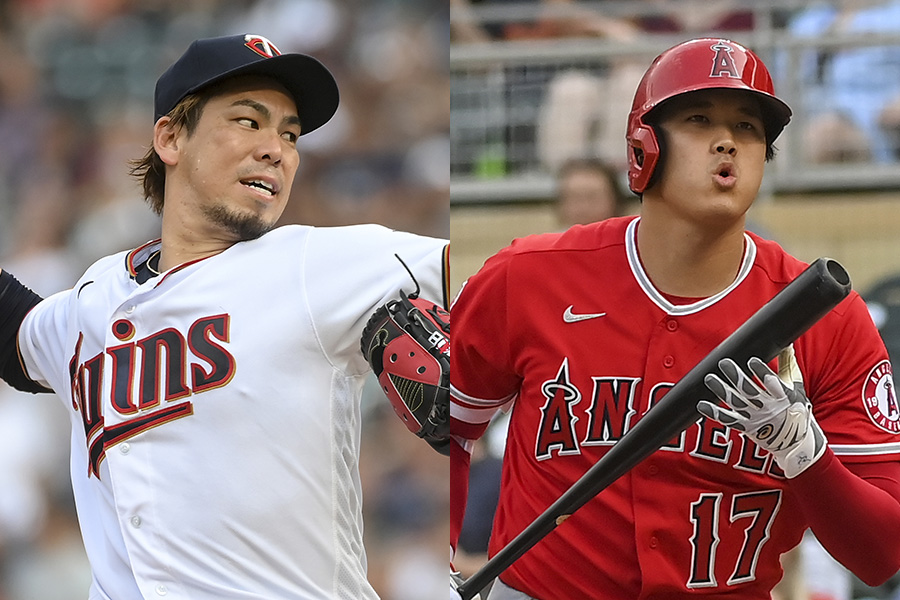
880	398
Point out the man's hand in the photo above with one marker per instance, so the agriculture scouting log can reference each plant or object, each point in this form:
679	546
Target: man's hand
770	409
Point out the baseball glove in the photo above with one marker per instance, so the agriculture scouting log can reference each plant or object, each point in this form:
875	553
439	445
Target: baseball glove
407	344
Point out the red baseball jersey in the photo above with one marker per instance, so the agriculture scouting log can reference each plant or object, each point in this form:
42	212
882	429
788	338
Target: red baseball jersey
568	330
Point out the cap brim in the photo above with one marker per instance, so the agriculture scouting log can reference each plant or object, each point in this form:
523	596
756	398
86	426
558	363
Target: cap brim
308	81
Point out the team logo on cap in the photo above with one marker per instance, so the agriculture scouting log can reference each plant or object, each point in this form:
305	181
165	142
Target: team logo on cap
880	398
723	62
261	46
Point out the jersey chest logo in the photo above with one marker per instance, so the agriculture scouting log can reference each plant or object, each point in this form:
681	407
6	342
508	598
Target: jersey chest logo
150	379
611	409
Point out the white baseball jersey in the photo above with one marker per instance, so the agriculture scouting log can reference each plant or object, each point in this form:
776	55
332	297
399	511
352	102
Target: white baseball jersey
215	411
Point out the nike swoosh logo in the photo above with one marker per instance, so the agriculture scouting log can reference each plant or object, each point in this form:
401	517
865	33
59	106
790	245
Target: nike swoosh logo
570	317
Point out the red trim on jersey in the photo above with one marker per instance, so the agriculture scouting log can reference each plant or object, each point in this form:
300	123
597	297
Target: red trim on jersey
133	255
854	511
470	417
180	267
129	260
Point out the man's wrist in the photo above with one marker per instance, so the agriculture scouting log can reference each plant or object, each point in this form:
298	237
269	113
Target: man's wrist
805	454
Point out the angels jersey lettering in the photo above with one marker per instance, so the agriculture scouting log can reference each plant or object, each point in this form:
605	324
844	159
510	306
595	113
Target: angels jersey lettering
240	372
708	513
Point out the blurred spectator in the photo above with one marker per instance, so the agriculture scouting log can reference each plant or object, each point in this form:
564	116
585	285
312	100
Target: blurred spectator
585	114
464	26
835	138
543	19
845	89
889	125
406	490
588	190
697	17
44	556
581	112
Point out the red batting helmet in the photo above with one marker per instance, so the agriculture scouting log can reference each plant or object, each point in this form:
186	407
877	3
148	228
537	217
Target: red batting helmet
700	64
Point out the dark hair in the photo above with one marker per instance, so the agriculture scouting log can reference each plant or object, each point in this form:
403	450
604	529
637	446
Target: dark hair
601	167
150	170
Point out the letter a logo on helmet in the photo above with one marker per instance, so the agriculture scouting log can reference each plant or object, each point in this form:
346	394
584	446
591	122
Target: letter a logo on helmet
723	63
699	64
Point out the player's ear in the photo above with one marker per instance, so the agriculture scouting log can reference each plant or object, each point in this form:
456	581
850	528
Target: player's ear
166	140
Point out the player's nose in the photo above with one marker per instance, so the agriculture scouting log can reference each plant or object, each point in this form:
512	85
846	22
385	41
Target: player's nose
269	147
725	146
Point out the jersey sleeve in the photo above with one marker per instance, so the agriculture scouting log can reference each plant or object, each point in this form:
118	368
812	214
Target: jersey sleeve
349	272
42	338
852	388
482	376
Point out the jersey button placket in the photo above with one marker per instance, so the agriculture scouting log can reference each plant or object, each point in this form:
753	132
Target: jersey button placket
672	327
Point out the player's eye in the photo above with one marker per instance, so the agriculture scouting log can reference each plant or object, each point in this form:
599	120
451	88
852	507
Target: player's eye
746	125
697	118
290	136
247	122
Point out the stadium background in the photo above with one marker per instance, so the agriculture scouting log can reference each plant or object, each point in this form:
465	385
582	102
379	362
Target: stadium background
76	89
536	82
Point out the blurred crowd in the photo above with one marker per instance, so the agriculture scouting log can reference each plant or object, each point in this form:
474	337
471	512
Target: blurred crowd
76	97
836	63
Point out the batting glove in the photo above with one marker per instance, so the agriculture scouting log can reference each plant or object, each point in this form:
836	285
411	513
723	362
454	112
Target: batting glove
771	410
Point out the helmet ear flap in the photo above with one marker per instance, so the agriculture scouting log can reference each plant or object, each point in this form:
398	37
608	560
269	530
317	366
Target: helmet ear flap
643	156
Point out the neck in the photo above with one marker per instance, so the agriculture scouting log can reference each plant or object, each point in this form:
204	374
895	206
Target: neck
185	241
684	259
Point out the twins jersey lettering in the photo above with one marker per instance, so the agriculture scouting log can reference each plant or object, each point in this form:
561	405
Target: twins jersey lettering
580	361
242	373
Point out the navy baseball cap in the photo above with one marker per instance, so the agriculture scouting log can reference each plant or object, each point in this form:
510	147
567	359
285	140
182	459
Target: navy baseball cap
211	60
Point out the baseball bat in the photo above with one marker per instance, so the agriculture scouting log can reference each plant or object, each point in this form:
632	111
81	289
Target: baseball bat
771	329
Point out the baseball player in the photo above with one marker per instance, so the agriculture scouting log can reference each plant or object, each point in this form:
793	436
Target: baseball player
579	333
213	377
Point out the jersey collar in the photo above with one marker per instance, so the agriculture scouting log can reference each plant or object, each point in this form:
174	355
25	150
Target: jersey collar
139	256
656	296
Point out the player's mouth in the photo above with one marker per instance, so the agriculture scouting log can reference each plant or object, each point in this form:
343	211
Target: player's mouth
263	186
725	175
